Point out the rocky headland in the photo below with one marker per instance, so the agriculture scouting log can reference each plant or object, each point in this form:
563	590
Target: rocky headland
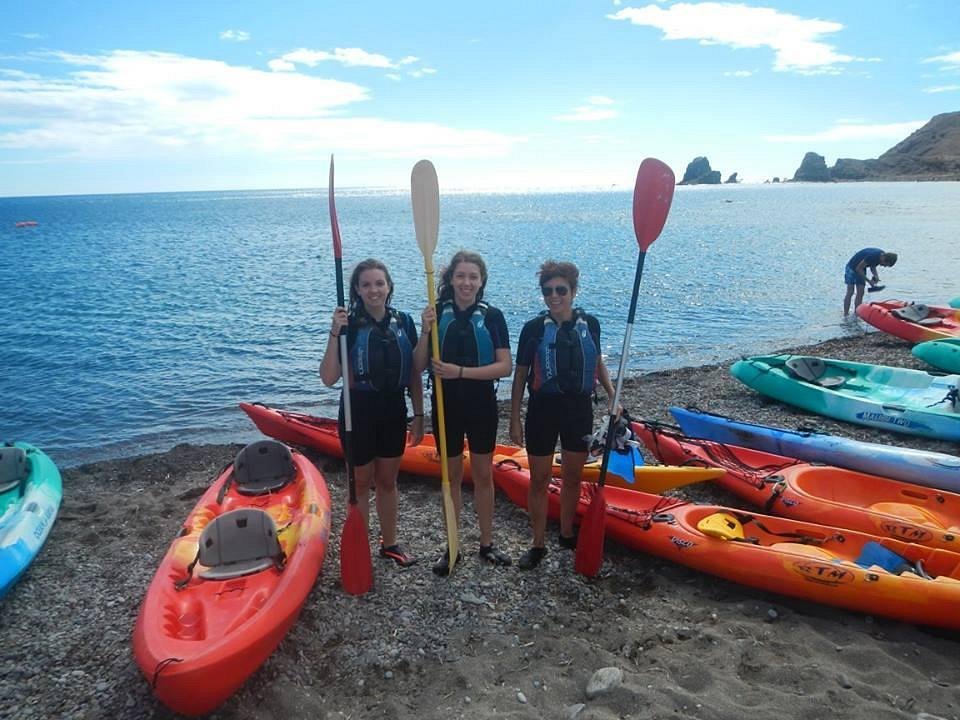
930	153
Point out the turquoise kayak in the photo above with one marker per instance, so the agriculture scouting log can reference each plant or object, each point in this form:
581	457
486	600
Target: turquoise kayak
943	354
897	399
30	493
955	303
922	467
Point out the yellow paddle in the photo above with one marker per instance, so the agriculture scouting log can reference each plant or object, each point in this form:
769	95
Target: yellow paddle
425	195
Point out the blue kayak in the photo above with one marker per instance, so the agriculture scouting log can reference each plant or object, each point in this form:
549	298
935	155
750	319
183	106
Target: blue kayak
30	493
932	469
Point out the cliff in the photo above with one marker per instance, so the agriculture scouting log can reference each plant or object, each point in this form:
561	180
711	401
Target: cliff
930	153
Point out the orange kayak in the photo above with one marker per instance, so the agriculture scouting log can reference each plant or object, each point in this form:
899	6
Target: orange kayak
322	434
211	616
848	569
819	493
914	322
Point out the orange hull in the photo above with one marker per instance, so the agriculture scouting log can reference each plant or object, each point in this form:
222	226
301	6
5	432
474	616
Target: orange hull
944	322
819	493
823	570
424	459
198	645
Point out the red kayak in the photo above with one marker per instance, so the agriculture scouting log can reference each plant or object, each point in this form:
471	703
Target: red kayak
818	493
914	322
234	579
844	568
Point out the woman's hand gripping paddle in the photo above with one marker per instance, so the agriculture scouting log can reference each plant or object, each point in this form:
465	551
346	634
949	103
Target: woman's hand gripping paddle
356	567
652	196
425	195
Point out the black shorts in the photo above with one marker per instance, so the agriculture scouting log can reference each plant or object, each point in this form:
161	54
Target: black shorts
548	416
379	422
469	410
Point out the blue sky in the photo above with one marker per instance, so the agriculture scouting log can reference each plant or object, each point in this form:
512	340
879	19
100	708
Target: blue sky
163	96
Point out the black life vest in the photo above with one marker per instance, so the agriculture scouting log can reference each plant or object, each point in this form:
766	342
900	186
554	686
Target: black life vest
566	358
465	341
382	355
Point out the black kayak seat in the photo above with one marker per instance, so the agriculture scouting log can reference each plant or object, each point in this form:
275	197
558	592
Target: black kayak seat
915	313
813	370
263	467
239	542
14	468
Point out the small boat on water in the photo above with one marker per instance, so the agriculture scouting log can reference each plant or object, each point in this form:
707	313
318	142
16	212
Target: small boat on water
913	322
26	223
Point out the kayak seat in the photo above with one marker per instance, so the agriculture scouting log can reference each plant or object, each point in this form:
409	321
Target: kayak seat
914	312
263	467
811	551
13	467
813	370
237	543
722	526
873	554
909	513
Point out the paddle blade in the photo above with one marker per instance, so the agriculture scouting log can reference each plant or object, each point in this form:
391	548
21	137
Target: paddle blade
334	225
589	556
356	567
623	463
652	196
425	195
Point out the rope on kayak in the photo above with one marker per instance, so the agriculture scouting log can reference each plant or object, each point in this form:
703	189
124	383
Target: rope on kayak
161	666
952	396
799	537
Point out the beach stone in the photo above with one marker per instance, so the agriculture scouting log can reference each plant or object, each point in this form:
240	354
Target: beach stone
573	711
521	698
604	680
928	716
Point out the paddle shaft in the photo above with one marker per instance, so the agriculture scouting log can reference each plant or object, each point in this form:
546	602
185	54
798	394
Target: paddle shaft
608	445
344	353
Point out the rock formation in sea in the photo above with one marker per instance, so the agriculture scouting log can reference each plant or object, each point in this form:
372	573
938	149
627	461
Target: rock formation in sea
812	169
732	180
699	173
930	153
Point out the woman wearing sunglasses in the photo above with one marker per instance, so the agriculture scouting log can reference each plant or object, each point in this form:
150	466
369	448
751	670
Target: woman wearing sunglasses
558	359
474	351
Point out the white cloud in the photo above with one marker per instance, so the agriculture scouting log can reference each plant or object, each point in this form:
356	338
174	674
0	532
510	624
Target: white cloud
597	108
421	72
950	61
147	104
30	36
394	76
350	57
235	35
408	59
843	132
797	42
942	89
739	73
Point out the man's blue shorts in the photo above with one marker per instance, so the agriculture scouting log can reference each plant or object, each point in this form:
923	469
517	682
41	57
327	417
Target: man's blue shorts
850	277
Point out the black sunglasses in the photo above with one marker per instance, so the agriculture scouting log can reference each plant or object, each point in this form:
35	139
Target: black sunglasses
548	290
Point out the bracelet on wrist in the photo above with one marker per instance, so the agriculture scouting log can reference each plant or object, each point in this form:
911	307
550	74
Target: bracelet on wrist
416	415
460	376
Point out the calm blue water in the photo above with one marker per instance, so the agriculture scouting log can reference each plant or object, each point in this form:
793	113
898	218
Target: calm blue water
132	323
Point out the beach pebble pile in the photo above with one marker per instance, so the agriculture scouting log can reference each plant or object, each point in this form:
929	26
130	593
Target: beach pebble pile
646	639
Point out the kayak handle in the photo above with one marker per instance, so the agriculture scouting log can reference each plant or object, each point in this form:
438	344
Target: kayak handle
895	408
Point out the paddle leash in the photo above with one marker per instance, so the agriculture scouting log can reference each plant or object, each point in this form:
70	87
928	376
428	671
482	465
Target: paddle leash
425	195
356	566
652	195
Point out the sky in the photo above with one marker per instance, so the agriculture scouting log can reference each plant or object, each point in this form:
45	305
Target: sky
107	97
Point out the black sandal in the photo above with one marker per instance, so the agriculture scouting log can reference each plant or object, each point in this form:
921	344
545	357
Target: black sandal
442	566
493	556
531	558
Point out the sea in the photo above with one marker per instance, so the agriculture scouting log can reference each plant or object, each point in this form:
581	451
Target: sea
133	323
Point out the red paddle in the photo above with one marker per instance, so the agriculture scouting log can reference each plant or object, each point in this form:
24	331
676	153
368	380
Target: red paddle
356	567
652	196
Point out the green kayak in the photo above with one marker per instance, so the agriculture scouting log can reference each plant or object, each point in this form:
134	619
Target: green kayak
897	399
955	302
943	354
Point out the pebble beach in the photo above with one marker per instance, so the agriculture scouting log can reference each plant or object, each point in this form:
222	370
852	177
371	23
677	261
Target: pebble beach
662	640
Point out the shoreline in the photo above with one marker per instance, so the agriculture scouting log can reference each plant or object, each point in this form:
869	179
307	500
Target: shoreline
488	642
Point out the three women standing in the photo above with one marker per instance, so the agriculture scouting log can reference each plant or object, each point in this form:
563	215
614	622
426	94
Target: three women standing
474	351
559	360
380	342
